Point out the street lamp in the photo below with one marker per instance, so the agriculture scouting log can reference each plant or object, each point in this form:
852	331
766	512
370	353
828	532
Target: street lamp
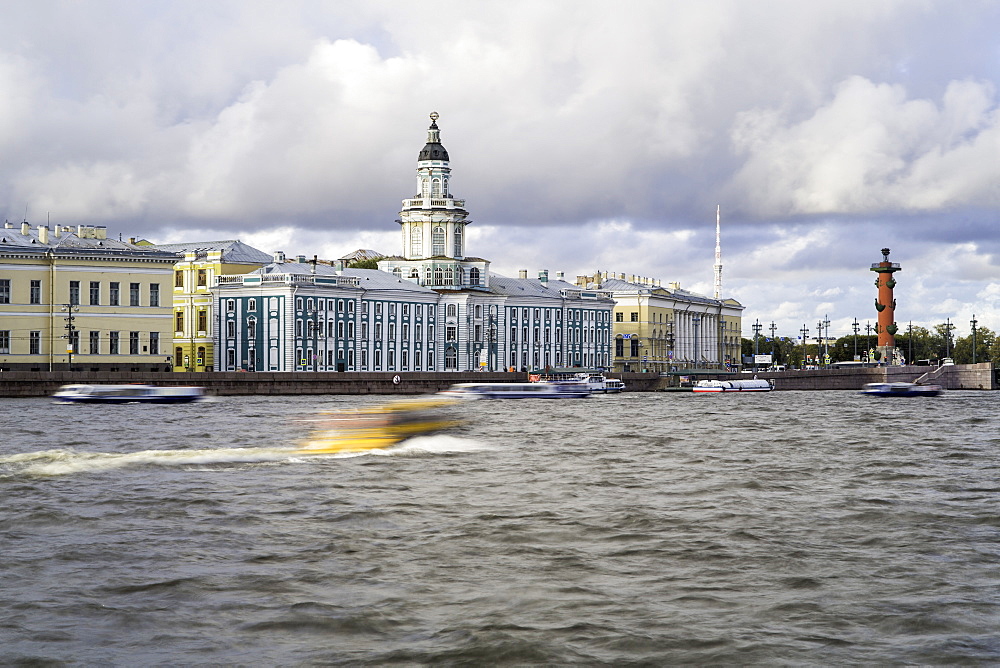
947	337
69	310
756	333
826	339
856	327
974	321
868	340
909	339
772	328
805	333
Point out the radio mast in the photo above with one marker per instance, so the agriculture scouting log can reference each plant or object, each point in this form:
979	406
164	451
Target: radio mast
718	252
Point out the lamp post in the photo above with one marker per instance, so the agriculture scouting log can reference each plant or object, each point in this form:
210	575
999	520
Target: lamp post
947	337
70	310
805	333
819	342
909	338
696	323
868	340
856	327
974	321
826	339
772	328
756	333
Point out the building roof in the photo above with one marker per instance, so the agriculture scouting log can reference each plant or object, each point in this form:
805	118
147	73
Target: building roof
619	285
362	254
233	251
433	150
93	240
374	279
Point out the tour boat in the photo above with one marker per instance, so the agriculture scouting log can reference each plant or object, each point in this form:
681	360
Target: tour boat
127	394
597	382
540	390
754	385
900	389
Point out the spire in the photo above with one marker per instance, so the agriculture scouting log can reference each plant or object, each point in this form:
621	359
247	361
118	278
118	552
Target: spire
433	150
718	252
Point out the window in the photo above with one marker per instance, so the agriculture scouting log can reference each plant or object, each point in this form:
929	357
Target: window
430	360
479	333
298	328
340	329
178	279
378	331
474	276
350	306
231	359
619	317
154	343
438	276
406	309
451	333
201	355
416	242
364	330
378	308
437	241
74	292
451	359
392	309
452	310
113	343
419	310
378	359
34	343
252	328
36	292
350	330
202	278
298	303
310	304
634	316
392	331
405	330
179	322
95	293
5	290
231	306
95	343
633	347
231	329
74	341
513	334
252	304
391	359
114	294
202	321
449	276
4	341
405	359
458	241
133	294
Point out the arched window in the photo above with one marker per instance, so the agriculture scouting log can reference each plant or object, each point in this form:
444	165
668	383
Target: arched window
436	188
452	310
437	241
397	272
438	276
474	276
449	276
451	359
458	241
424	188
414	273
416	242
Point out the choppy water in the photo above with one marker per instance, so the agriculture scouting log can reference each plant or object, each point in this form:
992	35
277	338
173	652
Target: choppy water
790	527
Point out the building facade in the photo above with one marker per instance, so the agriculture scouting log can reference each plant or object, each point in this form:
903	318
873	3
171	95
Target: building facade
663	329
430	308
194	314
71	298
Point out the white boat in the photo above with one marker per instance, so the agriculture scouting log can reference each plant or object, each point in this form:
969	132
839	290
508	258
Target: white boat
754	385
539	390
597	382
901	389
127	394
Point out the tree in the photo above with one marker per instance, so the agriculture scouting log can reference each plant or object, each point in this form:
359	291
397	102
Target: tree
985	341
363	264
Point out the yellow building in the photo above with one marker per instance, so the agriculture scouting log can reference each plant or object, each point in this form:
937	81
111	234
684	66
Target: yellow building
70	298
660	329
197	267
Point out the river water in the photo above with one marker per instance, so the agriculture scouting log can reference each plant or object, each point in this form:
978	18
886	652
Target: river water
786	527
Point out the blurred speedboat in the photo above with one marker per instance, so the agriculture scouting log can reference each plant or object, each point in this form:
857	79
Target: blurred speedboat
379	426
127	394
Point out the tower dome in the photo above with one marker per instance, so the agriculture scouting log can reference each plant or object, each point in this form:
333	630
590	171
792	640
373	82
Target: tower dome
433	150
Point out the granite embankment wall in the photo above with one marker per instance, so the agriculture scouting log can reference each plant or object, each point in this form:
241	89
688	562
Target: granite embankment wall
951	377
41	384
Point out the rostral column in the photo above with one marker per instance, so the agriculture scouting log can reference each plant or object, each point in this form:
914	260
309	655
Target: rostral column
886	306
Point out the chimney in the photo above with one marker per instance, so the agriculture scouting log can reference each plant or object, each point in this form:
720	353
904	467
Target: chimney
674	285
523	273
279	257
43	233
301	259
7	225
101	232
25	228
56	230
560	275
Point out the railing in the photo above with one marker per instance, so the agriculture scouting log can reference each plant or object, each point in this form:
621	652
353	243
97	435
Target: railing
289	279
883	265
447	203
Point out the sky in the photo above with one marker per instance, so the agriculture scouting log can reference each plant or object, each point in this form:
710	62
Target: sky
584	136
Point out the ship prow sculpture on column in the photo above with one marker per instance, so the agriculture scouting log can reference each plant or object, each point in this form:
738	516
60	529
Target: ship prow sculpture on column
885	304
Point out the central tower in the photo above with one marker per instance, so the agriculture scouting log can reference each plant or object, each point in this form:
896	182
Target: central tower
433	225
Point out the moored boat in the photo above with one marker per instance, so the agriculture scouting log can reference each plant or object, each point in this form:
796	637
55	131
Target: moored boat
127	394
901	389
755	385
540	390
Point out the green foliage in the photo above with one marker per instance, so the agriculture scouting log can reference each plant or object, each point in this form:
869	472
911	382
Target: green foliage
363	264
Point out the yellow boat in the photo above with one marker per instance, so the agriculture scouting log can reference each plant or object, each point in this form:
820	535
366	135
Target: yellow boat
380	426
